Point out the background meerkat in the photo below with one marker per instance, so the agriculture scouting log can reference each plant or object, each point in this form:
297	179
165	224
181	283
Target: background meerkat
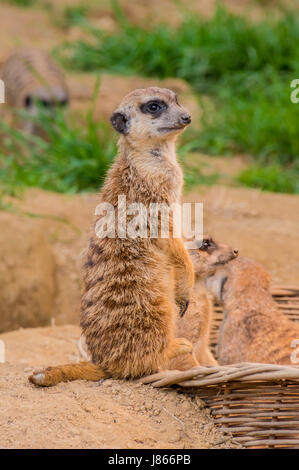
31	78
133	287
195	325
253	329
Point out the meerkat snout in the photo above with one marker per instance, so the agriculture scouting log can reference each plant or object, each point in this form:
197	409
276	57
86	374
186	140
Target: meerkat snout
185	119
150	114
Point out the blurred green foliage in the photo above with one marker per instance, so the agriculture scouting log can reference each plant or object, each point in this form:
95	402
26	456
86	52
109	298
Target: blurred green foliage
20	3
73	15
271	178
203	52
245	67
73	158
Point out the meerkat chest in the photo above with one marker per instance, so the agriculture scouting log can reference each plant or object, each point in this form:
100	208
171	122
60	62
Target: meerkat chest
163	181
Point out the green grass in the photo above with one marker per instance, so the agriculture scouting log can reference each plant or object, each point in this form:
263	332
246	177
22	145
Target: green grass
203	52
260	120
20	3
73	15
273	178
246	68
74	158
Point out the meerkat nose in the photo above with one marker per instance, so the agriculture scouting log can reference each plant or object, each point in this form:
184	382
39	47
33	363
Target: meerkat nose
185	119
236	252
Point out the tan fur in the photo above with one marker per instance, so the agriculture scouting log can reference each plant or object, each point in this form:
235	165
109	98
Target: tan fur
133	287
253	329
196	323
31	74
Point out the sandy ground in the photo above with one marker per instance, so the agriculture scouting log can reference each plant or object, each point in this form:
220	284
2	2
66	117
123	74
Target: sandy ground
113	414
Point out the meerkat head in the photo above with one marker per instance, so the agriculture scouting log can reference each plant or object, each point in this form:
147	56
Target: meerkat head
241	278
209	255
150	114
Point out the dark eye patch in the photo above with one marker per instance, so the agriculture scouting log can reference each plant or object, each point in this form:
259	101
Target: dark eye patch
28	101
154	107
207	244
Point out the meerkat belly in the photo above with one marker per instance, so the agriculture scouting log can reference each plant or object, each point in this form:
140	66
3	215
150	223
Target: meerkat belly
127	315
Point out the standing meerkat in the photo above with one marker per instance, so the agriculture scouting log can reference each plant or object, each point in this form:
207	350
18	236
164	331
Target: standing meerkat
133	287
253	329
31	79
195	325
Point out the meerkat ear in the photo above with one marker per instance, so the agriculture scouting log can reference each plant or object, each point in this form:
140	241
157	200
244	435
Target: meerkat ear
120	122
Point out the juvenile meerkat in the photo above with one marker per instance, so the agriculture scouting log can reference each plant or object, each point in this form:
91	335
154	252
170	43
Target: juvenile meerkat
253	329
195	325
133	287
31	79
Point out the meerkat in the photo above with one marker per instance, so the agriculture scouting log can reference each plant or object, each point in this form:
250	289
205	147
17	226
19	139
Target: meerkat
195	325
32	79
253	329
133	287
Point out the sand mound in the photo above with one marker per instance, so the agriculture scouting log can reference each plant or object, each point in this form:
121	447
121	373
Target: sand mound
113	414
27	274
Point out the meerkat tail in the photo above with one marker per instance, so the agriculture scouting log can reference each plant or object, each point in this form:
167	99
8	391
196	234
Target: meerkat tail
66	373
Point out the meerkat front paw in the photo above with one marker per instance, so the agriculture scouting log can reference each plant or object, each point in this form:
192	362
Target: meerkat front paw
182	346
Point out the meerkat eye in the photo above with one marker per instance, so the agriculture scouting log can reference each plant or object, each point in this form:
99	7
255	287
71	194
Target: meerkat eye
153	107
205	245
28	101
